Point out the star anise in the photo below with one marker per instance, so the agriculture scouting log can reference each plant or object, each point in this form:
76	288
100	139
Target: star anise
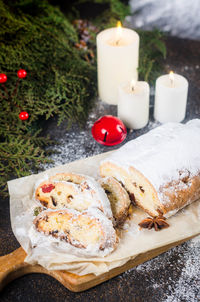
157	222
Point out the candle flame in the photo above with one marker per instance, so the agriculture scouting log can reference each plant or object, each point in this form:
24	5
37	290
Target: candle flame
133	83
119	32
119	24
171	77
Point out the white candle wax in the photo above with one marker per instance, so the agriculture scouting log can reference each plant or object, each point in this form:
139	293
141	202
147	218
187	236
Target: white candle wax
170	98
133	104
117	61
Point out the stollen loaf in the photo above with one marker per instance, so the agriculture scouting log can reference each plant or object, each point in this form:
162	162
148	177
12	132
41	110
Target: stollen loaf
161	169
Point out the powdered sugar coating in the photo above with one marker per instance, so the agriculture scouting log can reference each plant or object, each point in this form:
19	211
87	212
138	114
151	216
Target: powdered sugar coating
176	287
108	240
162	153
98	200
99	194
95	194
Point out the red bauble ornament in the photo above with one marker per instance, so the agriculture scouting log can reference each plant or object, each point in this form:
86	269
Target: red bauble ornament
21	73
23	115
3	78
109	130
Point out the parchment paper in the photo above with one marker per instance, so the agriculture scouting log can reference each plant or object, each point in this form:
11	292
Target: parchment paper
53	255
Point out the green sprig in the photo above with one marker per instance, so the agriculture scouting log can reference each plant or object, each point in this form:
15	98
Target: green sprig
38	37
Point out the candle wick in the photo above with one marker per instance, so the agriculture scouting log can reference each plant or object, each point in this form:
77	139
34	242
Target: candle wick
132	88
172	82
117	42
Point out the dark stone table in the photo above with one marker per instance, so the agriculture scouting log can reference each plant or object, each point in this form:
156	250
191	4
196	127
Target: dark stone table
171	277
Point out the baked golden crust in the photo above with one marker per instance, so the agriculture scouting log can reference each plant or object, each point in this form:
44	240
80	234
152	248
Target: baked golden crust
118	197
177	195
69	177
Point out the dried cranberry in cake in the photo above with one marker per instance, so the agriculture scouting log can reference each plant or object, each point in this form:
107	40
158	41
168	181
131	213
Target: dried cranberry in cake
72	191
47	188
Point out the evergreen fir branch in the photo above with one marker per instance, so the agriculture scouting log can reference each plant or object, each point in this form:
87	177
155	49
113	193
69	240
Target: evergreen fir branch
17	158
60	80
152	53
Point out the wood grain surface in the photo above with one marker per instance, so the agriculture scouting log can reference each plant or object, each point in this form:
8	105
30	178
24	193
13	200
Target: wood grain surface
13	266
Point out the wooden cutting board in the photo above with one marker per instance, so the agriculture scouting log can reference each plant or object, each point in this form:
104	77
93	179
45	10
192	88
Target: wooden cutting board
13	266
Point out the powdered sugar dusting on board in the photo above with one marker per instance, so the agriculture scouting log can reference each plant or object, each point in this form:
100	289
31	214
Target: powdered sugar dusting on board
188	286
180	285
72	147
78	143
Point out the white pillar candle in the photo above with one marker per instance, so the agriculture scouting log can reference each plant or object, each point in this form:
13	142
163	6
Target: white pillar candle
133	104
117	61
170	98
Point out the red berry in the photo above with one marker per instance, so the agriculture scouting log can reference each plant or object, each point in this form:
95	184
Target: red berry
23	115
21	73
3	78
109	130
